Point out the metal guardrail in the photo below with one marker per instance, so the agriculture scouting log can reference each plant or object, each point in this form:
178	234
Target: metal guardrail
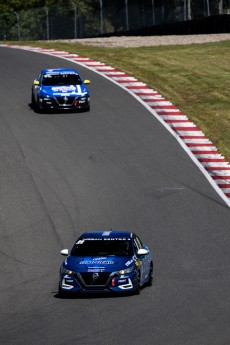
98	17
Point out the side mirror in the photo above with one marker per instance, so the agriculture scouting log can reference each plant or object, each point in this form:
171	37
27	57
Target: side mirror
65	252
36	82
86	82
142	251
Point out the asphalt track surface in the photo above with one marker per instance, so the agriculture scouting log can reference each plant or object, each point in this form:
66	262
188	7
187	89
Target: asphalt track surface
113	167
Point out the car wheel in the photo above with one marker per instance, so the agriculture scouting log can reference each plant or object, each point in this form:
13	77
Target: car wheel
150	280
38	107
33	100
138	286
61	294
86	109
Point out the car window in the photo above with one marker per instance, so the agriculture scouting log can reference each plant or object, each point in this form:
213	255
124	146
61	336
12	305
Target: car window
61	79
102	247
135	243
38	78
140	245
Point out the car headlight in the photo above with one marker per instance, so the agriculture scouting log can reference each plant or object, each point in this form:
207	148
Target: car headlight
66	271
124	271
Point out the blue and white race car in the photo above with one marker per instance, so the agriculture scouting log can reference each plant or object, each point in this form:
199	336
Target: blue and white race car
60	89
106	261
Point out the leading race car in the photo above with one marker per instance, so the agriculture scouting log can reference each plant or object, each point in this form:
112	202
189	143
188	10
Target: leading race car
60	89
106	261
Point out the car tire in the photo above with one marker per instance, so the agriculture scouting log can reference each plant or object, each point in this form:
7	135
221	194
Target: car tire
61	294
33	100
86	109
138	286
150	279
38	107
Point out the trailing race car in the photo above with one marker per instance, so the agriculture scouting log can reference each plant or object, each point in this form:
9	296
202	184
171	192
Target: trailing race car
60	89
106	261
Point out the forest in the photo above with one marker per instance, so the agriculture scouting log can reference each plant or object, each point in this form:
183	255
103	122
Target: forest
58	19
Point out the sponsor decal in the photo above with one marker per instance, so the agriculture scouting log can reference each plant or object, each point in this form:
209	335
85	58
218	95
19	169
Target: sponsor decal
62	94
128	263
102	258
63	88
116	239
103	239
53	72
96	269
104	262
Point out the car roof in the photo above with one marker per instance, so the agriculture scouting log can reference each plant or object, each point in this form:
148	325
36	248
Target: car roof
107	234
59	70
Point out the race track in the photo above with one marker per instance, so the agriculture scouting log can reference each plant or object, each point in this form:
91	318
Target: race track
113	167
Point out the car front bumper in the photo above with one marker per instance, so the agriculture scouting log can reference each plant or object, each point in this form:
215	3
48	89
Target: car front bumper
80	283
64	103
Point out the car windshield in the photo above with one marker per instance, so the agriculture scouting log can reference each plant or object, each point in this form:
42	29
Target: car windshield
61	79
102	247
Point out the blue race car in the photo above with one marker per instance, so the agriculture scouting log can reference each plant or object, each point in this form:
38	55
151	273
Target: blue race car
106	261
60	89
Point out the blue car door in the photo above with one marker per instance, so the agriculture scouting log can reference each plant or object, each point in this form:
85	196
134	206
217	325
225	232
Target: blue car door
145	264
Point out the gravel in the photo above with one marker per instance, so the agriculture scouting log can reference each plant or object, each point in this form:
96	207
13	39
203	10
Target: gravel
147	41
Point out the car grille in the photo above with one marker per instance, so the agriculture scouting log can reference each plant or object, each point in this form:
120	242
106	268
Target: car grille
89	280
64	100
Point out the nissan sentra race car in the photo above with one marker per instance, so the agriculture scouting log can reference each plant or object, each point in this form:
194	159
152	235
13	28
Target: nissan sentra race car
106	261
60	89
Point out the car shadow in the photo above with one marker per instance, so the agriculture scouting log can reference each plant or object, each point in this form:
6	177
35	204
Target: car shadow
55	111
83	296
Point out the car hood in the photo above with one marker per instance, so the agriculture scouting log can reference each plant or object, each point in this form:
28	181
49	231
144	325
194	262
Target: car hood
98	264
65	90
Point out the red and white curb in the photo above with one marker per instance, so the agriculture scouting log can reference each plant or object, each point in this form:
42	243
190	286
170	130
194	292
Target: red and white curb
200	149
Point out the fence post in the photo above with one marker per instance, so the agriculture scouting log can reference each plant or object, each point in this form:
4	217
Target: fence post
153	12
75	19
18	25
162	11
47	23
208	8
185	10
221	7
126	15
189	10
101	16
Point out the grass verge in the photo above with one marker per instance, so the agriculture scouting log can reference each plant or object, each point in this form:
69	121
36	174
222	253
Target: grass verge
195	78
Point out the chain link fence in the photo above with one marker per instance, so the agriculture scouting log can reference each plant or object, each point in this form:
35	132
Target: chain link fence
85	18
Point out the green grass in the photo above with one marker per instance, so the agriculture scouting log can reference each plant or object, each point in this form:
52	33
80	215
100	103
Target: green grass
196	78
